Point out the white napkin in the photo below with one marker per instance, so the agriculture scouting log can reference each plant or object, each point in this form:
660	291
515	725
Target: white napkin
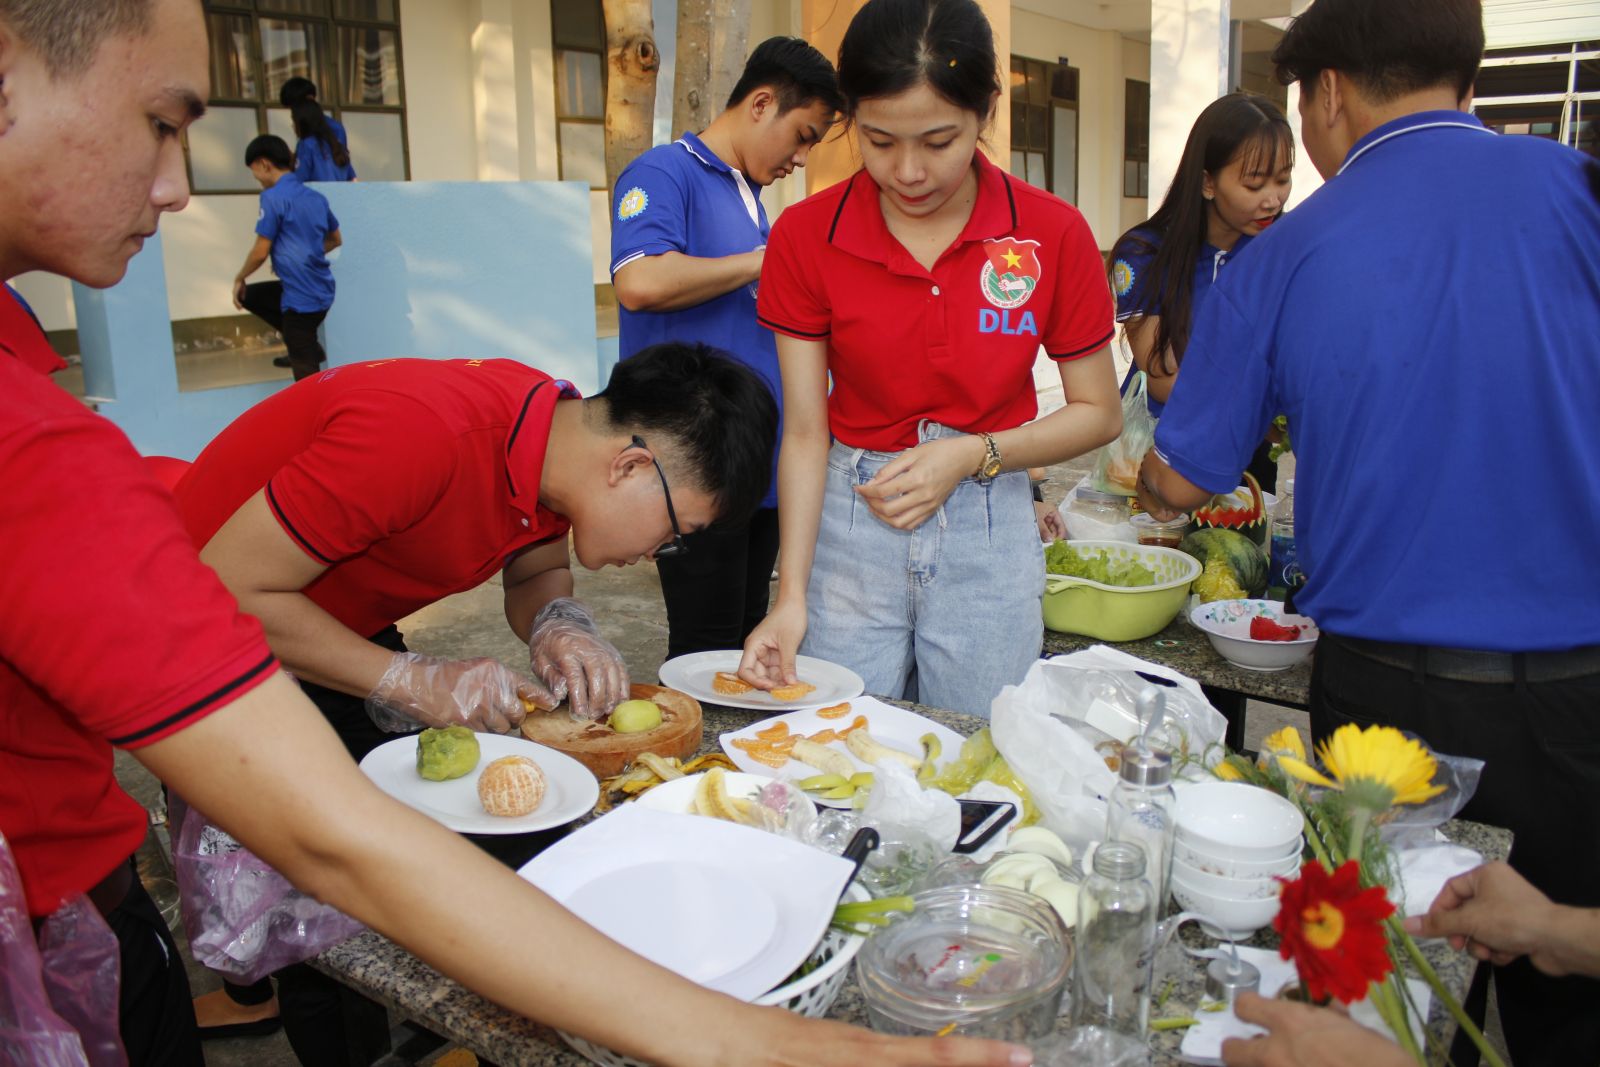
1202	1043
1424	871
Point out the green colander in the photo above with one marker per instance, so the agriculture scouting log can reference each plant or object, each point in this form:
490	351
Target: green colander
1114	613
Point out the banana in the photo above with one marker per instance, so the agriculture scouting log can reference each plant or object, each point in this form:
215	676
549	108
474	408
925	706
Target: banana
843	792
665	769
823	759
931	748
869	749
819	782
863	780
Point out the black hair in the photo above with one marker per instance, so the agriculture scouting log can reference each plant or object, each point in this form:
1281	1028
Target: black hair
797	74
67	35
309	121
272	148
1387	47
1241	125
295	90
896	45
716	415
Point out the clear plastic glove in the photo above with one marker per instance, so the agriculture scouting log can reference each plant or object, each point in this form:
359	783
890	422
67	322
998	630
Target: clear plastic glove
568	653
481	694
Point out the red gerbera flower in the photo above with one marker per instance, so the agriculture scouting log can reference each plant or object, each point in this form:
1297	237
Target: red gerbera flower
1333	930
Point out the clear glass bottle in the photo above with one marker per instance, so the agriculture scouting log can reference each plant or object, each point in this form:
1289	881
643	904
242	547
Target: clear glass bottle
1284	575
1116	939
1143	810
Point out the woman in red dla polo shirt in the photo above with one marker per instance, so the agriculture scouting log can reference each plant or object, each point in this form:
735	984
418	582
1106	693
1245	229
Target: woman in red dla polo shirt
925	285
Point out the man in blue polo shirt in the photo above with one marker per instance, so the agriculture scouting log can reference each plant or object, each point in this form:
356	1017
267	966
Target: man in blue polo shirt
687	238
296	228
1428	321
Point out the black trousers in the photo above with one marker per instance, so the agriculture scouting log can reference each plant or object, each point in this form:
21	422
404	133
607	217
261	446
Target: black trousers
716	593
264	300
155	1003
1540	741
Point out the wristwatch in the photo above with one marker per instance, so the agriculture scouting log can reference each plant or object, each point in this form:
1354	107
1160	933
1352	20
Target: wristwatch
990	467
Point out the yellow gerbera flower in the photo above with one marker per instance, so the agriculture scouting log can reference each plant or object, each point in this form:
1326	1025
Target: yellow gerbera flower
1376	768
1228	772
1284	742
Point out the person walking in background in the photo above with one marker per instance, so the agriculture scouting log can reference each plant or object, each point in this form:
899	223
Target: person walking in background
1232	183
924	286
687	241
322	150
296	229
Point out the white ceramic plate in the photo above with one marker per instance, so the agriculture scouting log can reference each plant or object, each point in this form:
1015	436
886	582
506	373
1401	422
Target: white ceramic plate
570	790
676	796
895	727
730	907
693	673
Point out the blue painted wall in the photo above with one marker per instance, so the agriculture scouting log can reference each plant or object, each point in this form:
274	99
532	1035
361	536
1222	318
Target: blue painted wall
433	269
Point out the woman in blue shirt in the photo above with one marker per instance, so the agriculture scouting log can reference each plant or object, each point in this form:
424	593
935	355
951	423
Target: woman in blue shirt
321	151
1231	184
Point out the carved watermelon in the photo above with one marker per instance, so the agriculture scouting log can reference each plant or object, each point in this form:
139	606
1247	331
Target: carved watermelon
1243	511
1246	562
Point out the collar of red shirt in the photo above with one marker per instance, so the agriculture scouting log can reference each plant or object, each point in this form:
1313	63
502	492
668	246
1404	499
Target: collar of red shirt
858	226
529	440
22	339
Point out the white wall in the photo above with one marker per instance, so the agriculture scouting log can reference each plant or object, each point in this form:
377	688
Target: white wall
437	49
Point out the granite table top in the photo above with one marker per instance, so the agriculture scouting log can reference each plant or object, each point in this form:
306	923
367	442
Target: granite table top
1187	650
378	968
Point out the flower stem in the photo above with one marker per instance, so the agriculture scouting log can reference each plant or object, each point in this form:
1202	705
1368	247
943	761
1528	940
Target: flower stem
1359	818
1392	1010
1429	975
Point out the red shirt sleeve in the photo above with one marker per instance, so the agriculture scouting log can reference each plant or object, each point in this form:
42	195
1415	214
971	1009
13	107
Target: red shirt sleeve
792	299
108	609
380	462
1082	313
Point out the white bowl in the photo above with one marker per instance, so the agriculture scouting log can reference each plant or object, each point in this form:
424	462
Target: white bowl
1225	917
1232	867
1232	820
1226	624
1256	887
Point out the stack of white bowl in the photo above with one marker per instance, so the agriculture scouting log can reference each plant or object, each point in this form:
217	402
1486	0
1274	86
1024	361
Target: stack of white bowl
1234	841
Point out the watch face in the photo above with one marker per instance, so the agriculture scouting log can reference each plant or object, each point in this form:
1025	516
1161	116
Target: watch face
991	468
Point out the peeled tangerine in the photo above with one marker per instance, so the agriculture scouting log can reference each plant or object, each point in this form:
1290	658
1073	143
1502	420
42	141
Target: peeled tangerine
446	754
636	716
511	786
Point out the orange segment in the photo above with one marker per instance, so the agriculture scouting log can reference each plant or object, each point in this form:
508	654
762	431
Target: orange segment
776	730
825	737
837	711
860	723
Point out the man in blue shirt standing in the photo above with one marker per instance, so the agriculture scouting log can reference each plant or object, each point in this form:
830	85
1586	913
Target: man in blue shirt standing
296	228
1428	320
687	238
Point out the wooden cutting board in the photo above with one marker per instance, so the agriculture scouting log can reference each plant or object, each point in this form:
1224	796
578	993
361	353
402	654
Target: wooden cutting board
604	751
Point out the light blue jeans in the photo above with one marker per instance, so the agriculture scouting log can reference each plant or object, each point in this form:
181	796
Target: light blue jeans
944	614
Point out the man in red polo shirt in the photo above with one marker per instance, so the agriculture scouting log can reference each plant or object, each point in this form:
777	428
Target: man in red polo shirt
114	634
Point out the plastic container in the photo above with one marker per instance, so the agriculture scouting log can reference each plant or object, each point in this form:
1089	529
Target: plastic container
987	961
1091	515
1284	576
1116	613
1152	531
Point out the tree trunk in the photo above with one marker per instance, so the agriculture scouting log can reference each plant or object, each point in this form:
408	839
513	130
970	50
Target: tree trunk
713	37
632	62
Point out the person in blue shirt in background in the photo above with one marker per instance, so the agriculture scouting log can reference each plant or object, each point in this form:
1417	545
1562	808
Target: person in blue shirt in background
321	151
687	238
1428	320
297	229
1232	182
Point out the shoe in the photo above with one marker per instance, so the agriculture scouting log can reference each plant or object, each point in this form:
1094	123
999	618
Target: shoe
259	1028
282	361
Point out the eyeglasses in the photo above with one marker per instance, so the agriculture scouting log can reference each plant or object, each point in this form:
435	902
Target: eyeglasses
676	546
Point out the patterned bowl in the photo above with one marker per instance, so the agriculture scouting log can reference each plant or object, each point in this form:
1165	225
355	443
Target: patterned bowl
1227	624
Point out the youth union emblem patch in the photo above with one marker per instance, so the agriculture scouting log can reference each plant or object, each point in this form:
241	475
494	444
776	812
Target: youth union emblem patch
1011	273
632	204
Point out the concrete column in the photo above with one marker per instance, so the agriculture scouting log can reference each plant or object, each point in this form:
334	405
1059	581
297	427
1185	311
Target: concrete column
1188	70
1306	178
494	90
823	22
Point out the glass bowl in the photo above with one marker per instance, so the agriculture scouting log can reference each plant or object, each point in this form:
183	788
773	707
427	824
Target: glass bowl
977	960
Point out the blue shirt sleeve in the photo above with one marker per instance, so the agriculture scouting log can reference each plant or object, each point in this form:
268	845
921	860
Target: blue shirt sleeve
649	214
1130	264
333	220
269	218
1223	402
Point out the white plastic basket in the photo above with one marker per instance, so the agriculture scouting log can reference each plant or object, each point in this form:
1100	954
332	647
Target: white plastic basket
811	995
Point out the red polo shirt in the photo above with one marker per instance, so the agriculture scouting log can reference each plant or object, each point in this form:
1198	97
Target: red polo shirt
112	632
412	479
955	344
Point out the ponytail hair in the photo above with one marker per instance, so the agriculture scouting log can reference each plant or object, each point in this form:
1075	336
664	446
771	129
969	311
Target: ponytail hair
309	121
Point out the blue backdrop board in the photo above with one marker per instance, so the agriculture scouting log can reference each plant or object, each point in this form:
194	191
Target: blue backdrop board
435	269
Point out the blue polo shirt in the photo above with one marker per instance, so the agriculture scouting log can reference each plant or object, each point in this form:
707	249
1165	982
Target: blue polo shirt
296	220
1429	321
1129	282
681	198
313	162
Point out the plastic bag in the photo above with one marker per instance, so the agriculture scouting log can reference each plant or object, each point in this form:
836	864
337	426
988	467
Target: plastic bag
1116	469
244	919
34	1030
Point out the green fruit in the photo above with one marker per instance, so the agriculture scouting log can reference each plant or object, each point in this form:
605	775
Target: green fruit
1242	555
447	753
635	716
822	781
862	780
